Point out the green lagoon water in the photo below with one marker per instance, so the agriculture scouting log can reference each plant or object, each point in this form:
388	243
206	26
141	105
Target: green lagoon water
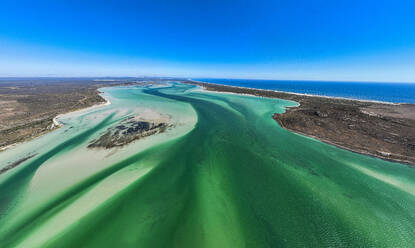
226	175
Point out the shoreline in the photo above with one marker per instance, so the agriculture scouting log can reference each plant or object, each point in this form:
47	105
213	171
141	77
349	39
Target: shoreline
98	100
328	119
304	94
31	110
204	89
56	124
408	163
98	105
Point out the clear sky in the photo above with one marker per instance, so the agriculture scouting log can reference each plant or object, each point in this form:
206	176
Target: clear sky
364	40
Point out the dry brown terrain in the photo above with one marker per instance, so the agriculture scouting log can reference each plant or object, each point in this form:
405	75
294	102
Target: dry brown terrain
382	130
28	106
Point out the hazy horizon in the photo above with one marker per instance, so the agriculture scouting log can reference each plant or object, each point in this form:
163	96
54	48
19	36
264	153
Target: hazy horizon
188	78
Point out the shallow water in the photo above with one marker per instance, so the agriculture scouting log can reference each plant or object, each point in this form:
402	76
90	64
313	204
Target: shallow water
225	176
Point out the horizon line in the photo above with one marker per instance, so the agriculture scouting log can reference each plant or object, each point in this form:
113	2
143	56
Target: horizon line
193	78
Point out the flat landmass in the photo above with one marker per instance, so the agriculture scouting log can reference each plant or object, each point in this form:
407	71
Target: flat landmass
212	179
28	106
383	130
378	129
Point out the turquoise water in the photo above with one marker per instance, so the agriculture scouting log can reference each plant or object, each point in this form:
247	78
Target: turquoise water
226	175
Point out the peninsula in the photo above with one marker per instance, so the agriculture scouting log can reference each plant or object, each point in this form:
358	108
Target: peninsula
378	129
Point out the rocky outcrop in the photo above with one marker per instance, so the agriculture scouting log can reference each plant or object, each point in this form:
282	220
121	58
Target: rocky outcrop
128	131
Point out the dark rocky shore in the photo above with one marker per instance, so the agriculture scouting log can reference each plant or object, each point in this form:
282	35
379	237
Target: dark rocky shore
382	130
126	132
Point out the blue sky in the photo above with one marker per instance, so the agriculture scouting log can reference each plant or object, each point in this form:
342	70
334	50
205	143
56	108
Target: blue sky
364	40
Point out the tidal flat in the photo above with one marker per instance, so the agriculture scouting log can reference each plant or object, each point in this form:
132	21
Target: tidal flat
222	174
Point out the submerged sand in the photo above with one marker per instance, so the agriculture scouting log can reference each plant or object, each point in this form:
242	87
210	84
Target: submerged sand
223	175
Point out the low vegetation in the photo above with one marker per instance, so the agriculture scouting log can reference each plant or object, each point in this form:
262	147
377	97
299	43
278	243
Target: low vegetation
382	130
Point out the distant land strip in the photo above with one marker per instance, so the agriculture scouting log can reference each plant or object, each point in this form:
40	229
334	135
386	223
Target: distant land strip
377	129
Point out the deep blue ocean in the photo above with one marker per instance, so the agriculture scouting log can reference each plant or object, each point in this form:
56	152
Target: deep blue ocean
385	92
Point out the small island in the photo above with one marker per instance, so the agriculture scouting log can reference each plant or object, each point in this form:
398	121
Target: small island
129	130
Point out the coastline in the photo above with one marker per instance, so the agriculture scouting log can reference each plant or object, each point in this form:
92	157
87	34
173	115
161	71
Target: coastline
301	94
354	125
408	163
34	111
56	124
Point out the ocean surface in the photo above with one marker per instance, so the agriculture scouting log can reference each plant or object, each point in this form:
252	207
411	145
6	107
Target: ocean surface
385	92
224	174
